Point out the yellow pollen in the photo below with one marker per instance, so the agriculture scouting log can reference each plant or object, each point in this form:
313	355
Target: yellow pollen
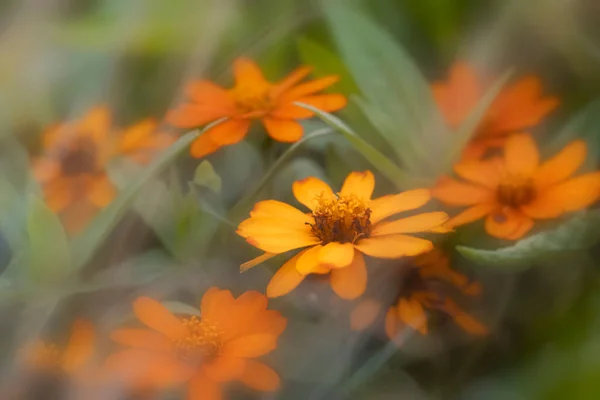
515	191
202	341
343	219
253	100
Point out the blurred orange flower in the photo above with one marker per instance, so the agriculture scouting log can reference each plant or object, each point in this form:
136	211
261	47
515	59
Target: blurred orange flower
71	360
422	294
71	169
518	106
338	231
252	98
515	189
203	352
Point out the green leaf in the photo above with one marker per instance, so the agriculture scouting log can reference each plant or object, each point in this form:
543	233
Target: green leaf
391	82
206	176
390	170
48	254
579	233
85	245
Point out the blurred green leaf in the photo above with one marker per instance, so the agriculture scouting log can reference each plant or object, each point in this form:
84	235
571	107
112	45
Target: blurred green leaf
391	82
206	176
579	233
48	254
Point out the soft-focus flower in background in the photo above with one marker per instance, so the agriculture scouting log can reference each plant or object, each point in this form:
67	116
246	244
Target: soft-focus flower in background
519	106
420	291
72	166
338	231
514	190
202	352
252	98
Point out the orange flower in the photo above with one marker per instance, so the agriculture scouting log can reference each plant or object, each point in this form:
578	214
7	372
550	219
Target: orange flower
202	352
422	293
72	168
252	98
514	190
338	231
518	106
72	360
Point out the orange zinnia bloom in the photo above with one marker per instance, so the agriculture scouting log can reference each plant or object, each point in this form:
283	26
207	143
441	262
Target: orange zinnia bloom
202	352
71	360
518	106
421	292
515	189
252	98
71	169
338	231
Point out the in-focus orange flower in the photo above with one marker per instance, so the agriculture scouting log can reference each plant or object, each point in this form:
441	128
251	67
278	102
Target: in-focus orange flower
252	98
420	292
202	352
514	190
337	232
71	359
517	107
71	169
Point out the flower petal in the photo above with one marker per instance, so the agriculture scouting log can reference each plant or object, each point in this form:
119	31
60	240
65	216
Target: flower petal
194	115
308	262
156	316
486	173
259	376
202	387
350	282
416	223
393	246
521	155
283	130
457	193
576	193
308	191
283	242
102	192
385	206
247	73
412	314
308	88
364	314
471	214
325	102
290	80
141	338
359	184
464	320
224	369
457	97
251	346
210	94
203	146
229	132
562	165
392	327
286	279
508	224
80	348
335	255
280	210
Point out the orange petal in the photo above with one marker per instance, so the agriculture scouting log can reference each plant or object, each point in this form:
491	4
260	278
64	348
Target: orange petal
308	88
258	376
224	369
308	262
350	282
385	206
282	242
457	97
210	94
359	184
335	255
102	192
260	227
156	316
412	314
290	80
256	261
485	173
471	214
268	322
58	194
466	321
247	73
283	130
521	155
286	279
393	246
218	306
457	193
202	387
562	165
229	132
251	346
280	210
96	123
364	314
80	348
203	146
291	111
543	207
417	223
325	102
191	115
392	327
576	193
46	169
507	224
308	191
141	338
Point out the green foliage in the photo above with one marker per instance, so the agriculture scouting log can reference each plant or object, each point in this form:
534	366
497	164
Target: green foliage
206	176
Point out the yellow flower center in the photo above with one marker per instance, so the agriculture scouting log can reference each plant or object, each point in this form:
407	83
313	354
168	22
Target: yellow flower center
202	342
515	191
256	101
343	219
80	157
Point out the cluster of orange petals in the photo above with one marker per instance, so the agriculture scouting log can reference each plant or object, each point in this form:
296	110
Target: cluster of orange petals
513	190
519	106
72	166
252	98
410	309
200	352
